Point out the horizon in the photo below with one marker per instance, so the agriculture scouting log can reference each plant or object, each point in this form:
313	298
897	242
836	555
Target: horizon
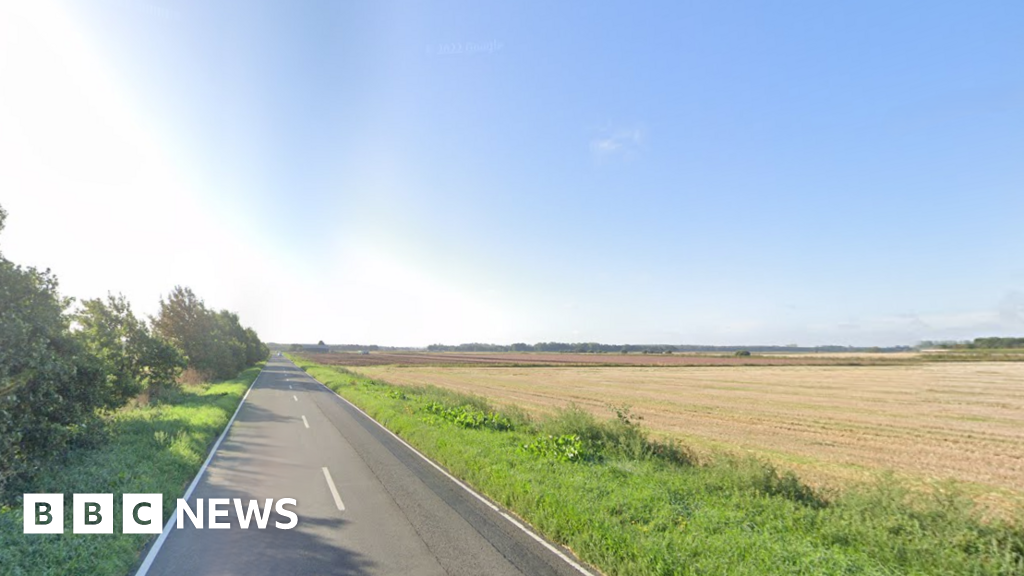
394	173
724	347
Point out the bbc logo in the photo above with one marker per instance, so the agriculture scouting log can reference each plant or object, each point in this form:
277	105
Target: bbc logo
94	513
143	513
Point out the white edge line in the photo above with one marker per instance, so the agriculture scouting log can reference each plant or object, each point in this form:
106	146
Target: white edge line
304	421
155	549
462	485
334	489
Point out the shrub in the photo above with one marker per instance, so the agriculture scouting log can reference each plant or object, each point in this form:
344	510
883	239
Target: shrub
50	385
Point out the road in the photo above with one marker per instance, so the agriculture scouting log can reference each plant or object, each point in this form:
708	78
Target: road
367	503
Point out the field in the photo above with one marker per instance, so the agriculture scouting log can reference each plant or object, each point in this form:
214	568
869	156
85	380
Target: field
556	359
831	423
630	504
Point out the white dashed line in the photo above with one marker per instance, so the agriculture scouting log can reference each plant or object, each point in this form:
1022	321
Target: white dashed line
579	568
306	422
334	489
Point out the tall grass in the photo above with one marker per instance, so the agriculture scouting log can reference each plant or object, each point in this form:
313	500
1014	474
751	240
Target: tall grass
630	505
157	448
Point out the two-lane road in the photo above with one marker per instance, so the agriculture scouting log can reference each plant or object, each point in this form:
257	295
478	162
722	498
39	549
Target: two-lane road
367	503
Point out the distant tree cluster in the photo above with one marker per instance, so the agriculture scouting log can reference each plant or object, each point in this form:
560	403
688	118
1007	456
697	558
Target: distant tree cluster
61	367
987	343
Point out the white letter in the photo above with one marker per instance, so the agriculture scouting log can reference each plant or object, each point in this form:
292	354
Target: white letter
214	513
280	510
254	510
197	518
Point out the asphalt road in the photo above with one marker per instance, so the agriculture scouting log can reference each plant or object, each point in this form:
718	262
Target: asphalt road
394	513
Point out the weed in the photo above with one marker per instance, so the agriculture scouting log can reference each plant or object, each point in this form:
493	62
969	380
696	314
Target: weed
565	448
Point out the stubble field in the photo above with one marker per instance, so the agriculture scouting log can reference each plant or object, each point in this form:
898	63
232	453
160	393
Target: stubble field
831	423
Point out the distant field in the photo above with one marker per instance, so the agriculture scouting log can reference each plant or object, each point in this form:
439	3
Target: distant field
635	359
934	420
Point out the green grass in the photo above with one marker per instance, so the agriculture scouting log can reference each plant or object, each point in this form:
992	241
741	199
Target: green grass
629	505
151	449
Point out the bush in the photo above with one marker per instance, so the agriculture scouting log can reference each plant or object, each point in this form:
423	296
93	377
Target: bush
50	386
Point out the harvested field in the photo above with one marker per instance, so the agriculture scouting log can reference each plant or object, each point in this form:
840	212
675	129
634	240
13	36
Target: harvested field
560	359
963	421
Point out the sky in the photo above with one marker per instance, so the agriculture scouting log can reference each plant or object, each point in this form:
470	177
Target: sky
408	173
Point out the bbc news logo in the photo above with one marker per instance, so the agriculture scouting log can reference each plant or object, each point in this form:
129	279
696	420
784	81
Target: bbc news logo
143	513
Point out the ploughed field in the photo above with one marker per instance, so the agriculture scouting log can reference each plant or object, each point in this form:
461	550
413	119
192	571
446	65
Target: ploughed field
635	359
956	420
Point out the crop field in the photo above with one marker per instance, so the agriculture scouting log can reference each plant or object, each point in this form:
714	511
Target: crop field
926	421
560	359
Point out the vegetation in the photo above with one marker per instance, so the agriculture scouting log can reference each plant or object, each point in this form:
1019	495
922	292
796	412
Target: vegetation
63	372
466	415
134	359
630	505
215	343
989	343
148	449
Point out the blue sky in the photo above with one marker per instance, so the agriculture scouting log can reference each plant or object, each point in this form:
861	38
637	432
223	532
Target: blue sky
409	173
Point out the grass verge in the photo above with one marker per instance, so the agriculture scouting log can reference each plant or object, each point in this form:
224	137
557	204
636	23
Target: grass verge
630	505
157	448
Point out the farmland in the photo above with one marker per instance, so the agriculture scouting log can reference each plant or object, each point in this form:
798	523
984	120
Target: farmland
628	503
531	359
827	419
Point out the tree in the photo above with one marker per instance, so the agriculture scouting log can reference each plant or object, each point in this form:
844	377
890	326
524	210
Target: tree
111	332
50	387
215	344
255	350
185	322
163	364
135	360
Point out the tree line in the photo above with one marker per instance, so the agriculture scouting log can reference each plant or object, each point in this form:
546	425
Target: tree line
987	343
63	365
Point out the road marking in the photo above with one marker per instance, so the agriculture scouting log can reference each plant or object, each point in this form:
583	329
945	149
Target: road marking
334	490
304	421
289	386
294	397
579	568
151	556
